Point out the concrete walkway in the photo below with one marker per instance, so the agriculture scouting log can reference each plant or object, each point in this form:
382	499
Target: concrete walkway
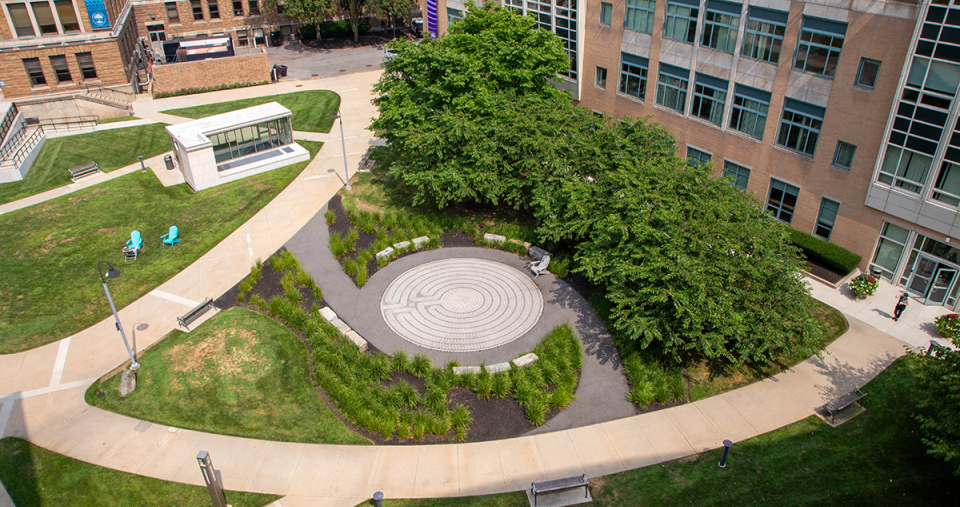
41	391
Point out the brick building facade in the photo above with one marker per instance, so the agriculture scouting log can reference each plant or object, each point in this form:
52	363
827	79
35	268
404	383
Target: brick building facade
54	46
840	117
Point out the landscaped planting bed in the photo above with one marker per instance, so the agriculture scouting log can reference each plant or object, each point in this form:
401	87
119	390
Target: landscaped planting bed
399	398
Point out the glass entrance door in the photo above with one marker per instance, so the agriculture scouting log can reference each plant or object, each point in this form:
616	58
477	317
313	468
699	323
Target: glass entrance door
922	275
942	282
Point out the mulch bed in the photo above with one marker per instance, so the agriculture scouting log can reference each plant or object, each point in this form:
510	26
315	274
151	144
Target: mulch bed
828	273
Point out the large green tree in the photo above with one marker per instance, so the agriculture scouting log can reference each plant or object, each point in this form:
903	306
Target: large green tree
392	9
939	404
691	265
308	11
456	110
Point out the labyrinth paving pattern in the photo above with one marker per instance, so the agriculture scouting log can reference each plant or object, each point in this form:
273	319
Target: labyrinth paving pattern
461	305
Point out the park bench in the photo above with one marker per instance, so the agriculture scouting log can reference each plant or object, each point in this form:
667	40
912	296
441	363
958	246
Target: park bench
837	404
83	170
194	314
559	486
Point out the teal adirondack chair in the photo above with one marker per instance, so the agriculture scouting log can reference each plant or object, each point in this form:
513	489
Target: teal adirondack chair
171	237
136	242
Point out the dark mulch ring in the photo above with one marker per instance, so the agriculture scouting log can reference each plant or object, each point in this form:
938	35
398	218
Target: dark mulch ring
457	239
268	288
822	270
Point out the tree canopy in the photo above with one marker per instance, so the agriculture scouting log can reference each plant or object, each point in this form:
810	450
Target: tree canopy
691	265
939	396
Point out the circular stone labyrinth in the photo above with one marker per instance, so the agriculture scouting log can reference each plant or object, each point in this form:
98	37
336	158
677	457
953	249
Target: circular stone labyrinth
461	305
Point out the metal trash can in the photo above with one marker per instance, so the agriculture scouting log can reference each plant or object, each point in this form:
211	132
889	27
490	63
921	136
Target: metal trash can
281	70
168	161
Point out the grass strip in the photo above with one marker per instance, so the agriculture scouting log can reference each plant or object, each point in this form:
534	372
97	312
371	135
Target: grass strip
49	252
34	476
875	459
240	373
117	119
312	109
110	149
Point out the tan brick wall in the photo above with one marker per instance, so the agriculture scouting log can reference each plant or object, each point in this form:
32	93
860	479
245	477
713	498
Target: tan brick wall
106	59
152	13
252	68
853	115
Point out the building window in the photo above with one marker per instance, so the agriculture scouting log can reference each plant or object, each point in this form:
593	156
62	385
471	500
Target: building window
639	15
709	98
749	112
782	200
889	249
826	218
904	169
34	71
720	25
453	15
633	75
800	126
696	158
44	16
819	47
197	10
85	62
844	156
601	77
947	187
249	140
867	75
606	13
156	33
254	8
60	68
214	9
280	7
68	16
739	175
764	34
681	20
238	8
672	87
21	20
242	38
172	13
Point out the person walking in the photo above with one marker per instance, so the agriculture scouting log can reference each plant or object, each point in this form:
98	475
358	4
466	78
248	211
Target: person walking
902	301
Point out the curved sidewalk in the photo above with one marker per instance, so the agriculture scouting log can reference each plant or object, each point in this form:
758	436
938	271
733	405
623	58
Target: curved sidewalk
42	389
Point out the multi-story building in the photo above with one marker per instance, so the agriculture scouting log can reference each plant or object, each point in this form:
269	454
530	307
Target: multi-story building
835	114
60	45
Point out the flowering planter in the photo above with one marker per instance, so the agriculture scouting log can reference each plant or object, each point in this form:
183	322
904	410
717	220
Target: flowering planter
864	285
948	325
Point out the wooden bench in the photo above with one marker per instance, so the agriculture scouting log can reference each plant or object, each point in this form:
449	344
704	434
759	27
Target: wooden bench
195	313
837	404
560	485
83	170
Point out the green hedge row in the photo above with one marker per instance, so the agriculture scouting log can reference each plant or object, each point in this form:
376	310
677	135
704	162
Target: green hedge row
333	29
817	249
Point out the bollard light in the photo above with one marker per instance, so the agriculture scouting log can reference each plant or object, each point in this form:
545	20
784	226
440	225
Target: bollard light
933	346
143	168
211	477
723	457
378	497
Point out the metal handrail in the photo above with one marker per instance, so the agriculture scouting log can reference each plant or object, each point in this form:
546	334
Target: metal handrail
25	148
8	120
68	122
124	96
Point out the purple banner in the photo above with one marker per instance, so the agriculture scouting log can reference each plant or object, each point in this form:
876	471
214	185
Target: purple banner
432	18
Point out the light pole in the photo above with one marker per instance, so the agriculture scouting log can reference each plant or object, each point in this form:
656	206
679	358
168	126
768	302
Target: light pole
343	142
113	273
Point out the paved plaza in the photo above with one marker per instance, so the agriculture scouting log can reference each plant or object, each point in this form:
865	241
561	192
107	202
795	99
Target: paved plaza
41	390
455	305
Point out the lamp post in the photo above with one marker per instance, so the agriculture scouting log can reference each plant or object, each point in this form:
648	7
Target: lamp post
113	273
343	142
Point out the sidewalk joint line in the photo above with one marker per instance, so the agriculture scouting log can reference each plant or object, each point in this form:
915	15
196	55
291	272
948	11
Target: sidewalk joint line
60	363
255	470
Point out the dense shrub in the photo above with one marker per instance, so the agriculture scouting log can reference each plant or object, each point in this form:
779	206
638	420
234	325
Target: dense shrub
828	253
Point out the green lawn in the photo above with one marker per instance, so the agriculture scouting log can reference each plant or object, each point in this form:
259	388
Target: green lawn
110	149
875	459
240	373
34	476
312	109
49	252
117	119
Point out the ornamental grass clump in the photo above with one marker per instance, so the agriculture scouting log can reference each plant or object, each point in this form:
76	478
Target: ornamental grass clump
864	285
